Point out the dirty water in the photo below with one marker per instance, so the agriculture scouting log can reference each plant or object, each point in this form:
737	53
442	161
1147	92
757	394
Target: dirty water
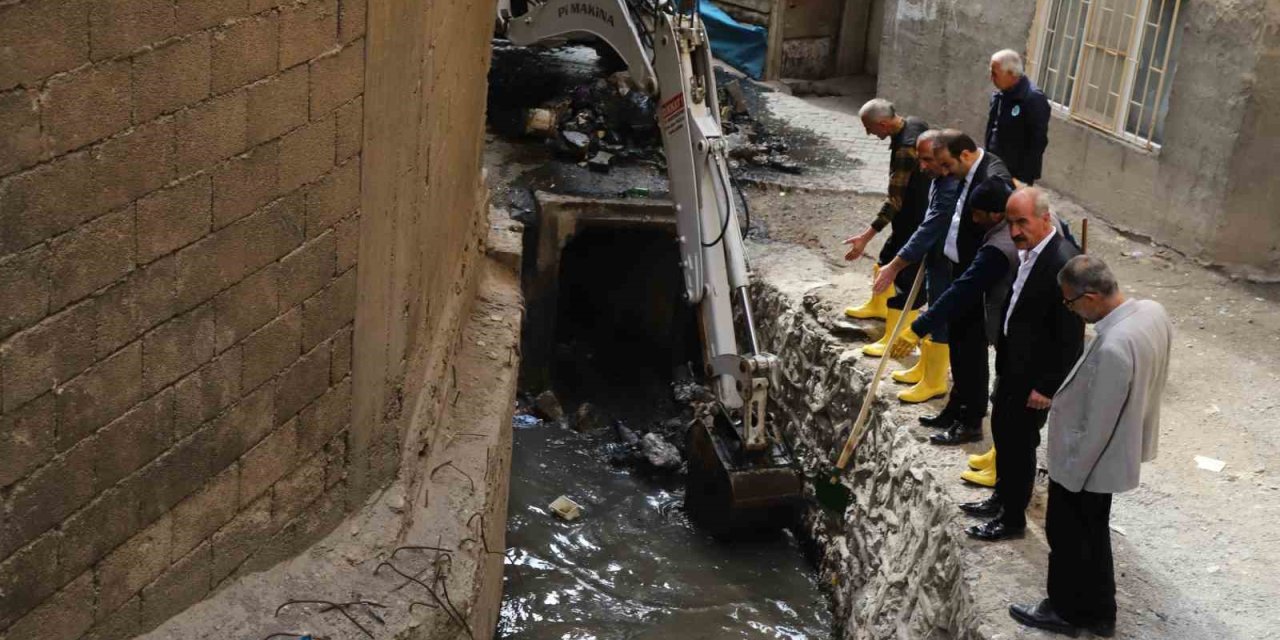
633	566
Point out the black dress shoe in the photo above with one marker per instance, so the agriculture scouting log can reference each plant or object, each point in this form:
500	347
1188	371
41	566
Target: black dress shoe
1102	629
958	433
988	508
994	531
1042	616
942	419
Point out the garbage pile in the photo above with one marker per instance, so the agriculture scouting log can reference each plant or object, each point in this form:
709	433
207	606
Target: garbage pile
607	120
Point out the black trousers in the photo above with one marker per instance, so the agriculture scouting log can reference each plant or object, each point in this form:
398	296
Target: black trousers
902	283
1015	428
1082	581
969	368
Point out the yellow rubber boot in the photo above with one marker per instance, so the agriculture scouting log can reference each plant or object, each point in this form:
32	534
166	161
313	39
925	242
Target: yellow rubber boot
916	373
984	461
937	362
877	348
877	306
983	478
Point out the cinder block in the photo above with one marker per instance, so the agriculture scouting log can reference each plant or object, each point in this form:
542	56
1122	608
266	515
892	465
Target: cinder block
134	439
245	51
65	616
212	131
319	518
122	26
307	30
242	427
298	489
340	361
271	349
143	300
277	105
205	511
194	15
42	37
244	307
233	252
171	77
348	230
26	439
352	15
262	5
232	544
91	257
245	183
336	78
307	270
116	178
177	348
90	534
330	310
174	476
100	394
28	577
21	145
45	201
306	154
182	585
174	217
24	287
335	455
305	381
350	120
86	105
204	394
122	624
50	353
324	418
43	499
333	198
137	562
269	461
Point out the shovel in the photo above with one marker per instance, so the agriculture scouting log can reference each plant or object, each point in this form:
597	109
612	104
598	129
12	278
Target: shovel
834	494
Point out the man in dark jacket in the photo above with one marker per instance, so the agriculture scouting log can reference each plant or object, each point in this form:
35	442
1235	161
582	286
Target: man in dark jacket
967	404
1040	340
1018	120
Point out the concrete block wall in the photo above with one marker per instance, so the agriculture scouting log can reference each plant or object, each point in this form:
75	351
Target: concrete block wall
180	197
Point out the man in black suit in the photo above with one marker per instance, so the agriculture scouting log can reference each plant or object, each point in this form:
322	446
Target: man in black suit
960	156
1039	342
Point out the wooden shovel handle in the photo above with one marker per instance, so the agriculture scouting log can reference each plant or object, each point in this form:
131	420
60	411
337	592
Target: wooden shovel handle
859	425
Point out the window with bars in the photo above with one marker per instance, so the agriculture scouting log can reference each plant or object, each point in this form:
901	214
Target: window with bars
1107	63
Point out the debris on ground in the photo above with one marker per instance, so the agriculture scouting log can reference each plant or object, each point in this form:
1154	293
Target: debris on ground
587	418
1210	464
548	406
659	453
567	509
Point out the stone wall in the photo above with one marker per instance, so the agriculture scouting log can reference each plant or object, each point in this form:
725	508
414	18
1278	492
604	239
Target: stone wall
893	564
181	188
1221	114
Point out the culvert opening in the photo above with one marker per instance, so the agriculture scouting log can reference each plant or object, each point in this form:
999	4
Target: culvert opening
616	341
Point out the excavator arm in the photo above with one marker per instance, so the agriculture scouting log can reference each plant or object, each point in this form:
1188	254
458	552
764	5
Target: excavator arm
668	54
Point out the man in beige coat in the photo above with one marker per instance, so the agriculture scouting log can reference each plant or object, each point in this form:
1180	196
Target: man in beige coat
1102	427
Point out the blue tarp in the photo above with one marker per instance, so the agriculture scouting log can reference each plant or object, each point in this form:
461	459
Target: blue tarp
742	46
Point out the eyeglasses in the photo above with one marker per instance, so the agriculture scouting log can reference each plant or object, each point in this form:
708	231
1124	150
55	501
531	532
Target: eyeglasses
1069	302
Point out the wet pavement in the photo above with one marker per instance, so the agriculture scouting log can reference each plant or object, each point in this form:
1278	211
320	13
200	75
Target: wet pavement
633	566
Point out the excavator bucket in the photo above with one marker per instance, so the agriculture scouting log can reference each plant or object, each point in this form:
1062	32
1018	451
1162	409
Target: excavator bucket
734	492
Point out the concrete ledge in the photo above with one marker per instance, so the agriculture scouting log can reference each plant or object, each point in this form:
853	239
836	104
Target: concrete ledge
450	496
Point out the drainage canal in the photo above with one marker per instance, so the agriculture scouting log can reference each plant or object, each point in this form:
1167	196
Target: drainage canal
605	406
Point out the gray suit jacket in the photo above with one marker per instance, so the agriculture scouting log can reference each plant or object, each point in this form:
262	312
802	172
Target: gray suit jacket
1106	415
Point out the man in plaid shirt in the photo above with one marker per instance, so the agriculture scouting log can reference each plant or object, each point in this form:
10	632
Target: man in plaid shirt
902	212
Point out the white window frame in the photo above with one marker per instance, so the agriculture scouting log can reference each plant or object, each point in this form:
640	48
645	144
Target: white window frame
1038	43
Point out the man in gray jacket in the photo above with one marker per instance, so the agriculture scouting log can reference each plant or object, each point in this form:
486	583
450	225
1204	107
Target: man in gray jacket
1102	427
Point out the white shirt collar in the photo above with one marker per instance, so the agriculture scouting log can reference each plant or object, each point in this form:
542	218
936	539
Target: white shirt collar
973	168
1035	251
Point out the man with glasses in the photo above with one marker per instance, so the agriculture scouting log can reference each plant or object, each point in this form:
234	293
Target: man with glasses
1039	341
1103	426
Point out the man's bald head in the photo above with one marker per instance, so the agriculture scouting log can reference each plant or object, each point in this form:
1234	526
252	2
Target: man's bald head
1029	219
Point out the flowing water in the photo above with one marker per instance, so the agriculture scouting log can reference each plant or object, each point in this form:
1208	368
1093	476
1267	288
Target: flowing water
633	566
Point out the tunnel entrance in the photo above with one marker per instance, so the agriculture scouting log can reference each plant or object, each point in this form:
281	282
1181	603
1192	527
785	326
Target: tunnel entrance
608	335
